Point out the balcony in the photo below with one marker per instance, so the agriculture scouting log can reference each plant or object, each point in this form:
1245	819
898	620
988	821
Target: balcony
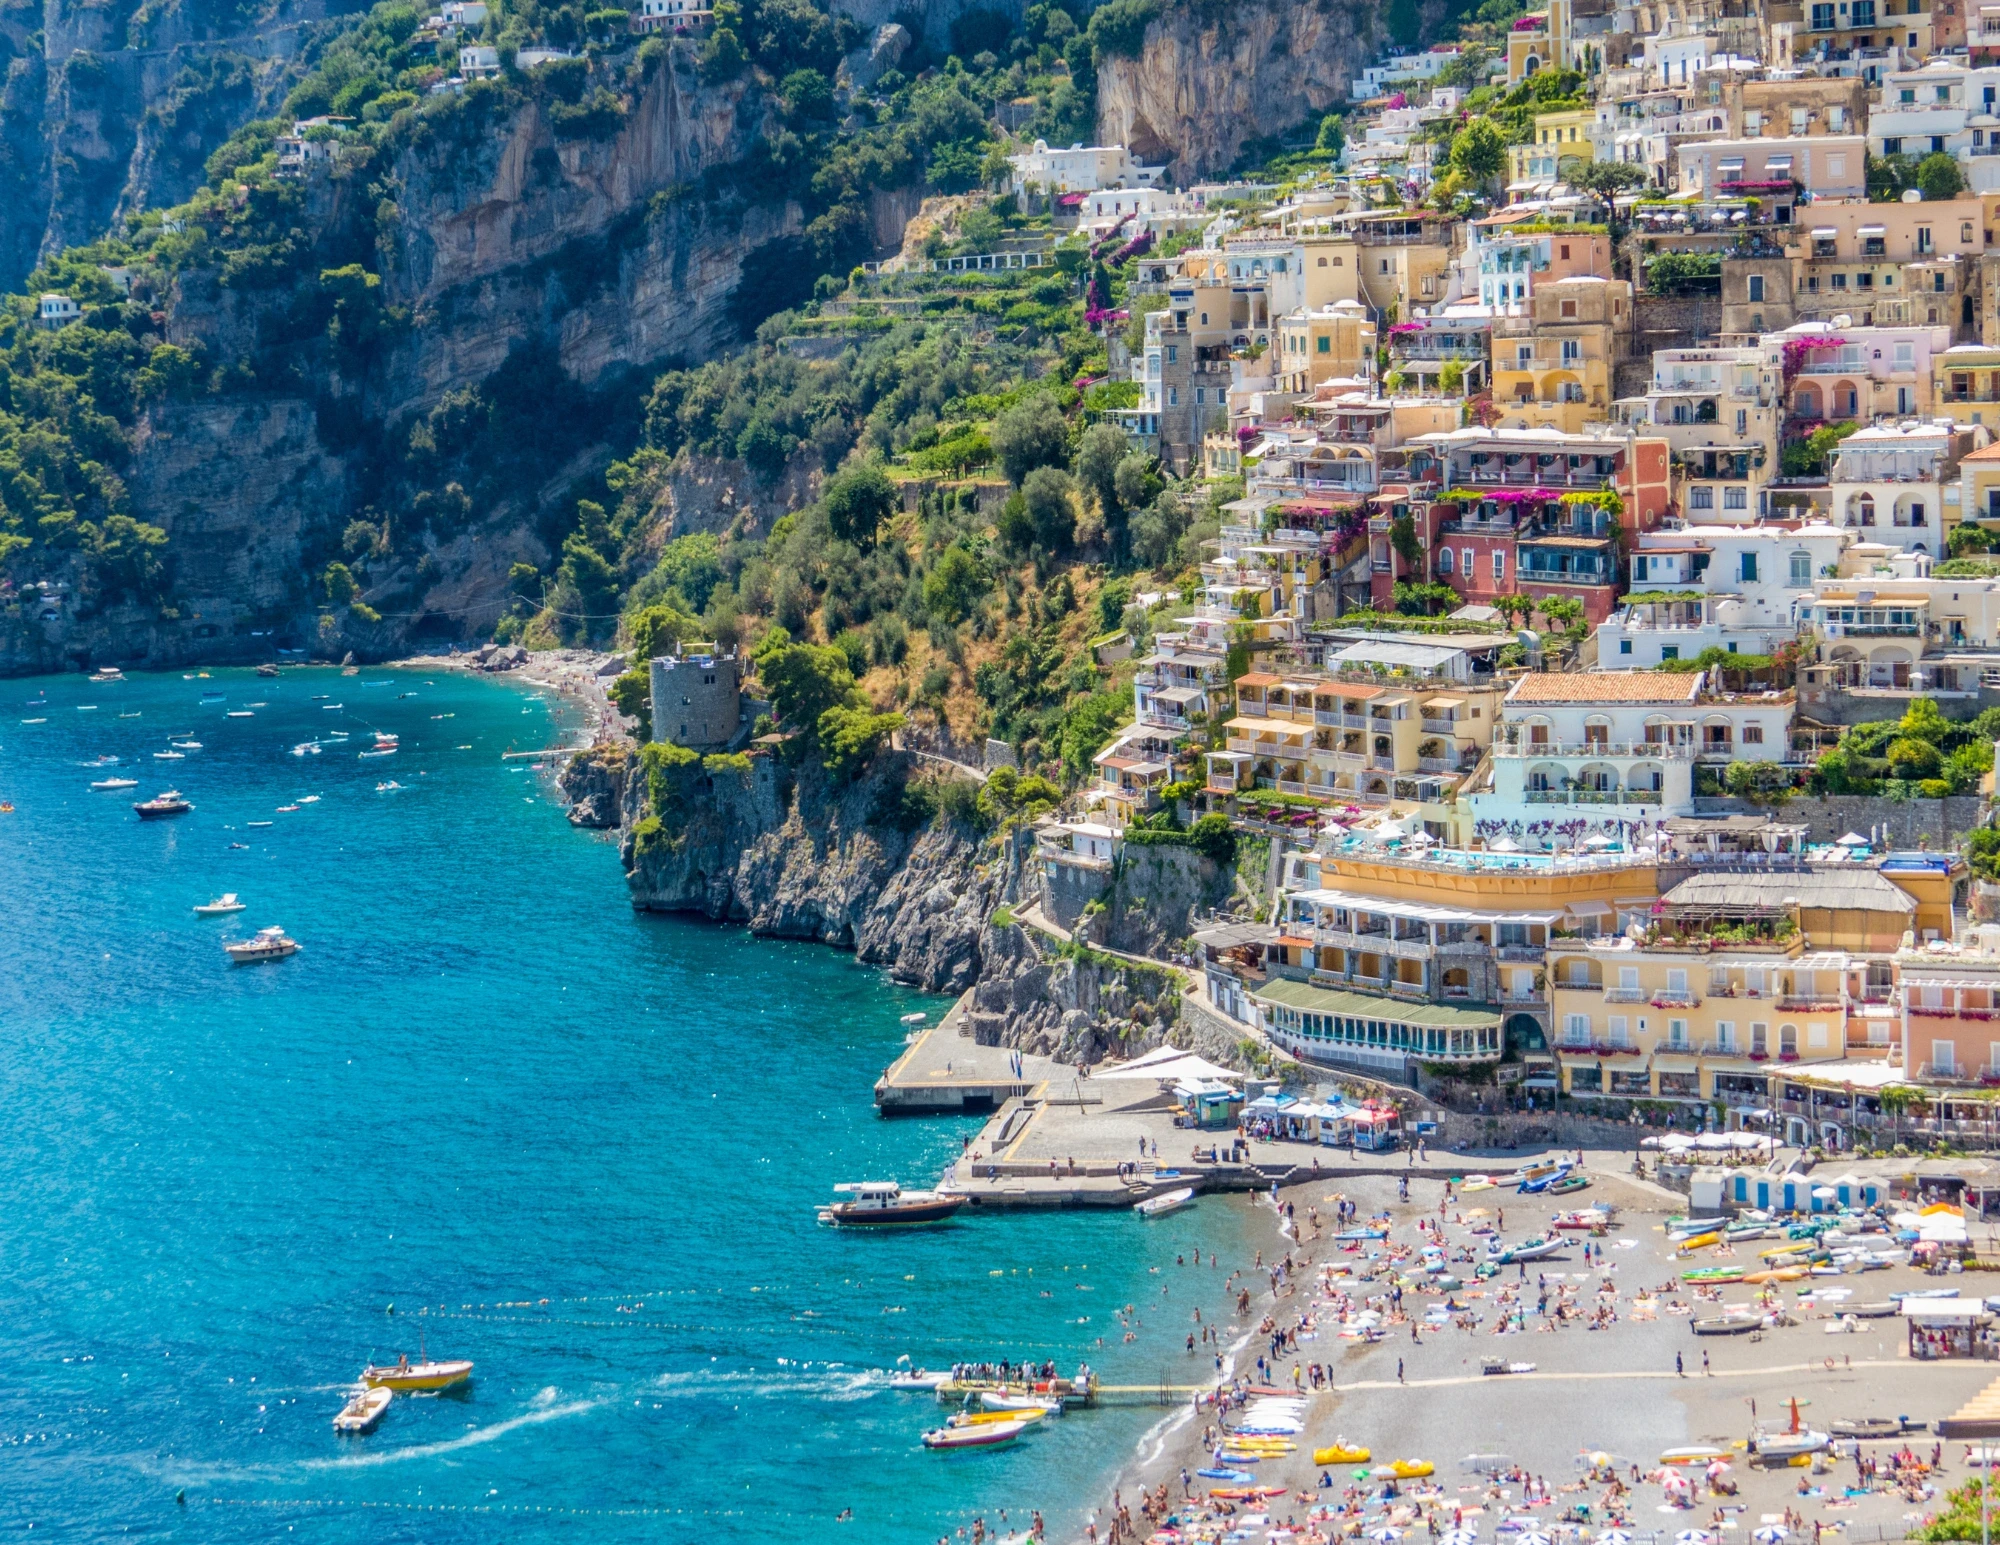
1525	953
1811	1004
1625	995
1652	750
1439	726
1592	797
1686	999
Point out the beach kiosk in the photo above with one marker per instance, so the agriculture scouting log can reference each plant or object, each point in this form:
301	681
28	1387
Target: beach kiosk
1948	1327
1376	1128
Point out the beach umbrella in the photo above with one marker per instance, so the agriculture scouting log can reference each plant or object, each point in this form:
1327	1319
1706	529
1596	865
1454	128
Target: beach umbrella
1458	1537
1719	1467
1533	1537
1614	1537
1692	1537
1825	1193
1385	1535
1771	1534
1853	840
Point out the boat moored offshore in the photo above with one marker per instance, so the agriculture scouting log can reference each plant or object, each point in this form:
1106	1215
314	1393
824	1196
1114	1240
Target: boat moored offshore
269	944
885	1204
427	1374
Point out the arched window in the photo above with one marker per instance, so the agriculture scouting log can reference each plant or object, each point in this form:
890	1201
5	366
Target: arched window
1801	575
1444	560
1864	510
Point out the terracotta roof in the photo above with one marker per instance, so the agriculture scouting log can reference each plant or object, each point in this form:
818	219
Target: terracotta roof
1260	679
1614	687
1990	453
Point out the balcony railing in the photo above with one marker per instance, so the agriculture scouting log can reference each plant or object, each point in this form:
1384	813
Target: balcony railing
1812	1003
1652	750
1593	796
1439	726
1625	995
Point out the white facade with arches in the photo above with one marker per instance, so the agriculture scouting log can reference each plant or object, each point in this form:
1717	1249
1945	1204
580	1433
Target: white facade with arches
1743	590
1898	484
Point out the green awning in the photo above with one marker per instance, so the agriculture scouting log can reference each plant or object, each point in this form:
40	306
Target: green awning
1308	999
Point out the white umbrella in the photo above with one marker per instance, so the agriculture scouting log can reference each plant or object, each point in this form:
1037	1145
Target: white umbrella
1533	1537
1614	1537
1505	845
1825	1193
1384	1535
1692	1537
1598	840
1853	840
1771	1534
1458	1537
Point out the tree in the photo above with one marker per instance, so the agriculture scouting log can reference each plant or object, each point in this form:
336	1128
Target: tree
1515	607
1098	454
804	681
1028	435
1157	530
1565	612
340	586
1480	151
1046	496
859	502
1603	179
954	586
1138	482
850	736
1214	838
655	630
1332	136
1938	176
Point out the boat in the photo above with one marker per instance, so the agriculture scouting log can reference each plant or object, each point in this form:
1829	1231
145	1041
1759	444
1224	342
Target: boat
425	1374
1531	1250
1408	1469
106	760
1357	1235
1700	1241
288	809
239	713
1160	1206
269	944
1018	1400
1789	1442
362	1412
991	1418
1343	1454
379	751
1562	1185
309	799
170	756
162	805
1874	1311
306	748
391	787
919	1380
1495	1365
132	716
34	721
1595	1219
211	697
267	670
226	902
329	707
1693	1454
185	745
256	823
115	783
985	1435
107	673
909	1019
1870	1427
883	1203
1713	1275
1726	1324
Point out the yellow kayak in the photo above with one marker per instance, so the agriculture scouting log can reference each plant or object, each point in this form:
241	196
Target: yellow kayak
1342	1454
1800	1247
1776	1274
1700	1242
406	1375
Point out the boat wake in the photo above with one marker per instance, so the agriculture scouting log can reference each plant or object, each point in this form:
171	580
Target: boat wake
473	1439
837	1386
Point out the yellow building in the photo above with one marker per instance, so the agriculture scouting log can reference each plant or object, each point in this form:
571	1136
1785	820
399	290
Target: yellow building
1336	342
1965	386
1556	137
1558	372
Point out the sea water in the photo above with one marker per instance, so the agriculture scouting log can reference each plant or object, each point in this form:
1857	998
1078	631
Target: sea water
489	1112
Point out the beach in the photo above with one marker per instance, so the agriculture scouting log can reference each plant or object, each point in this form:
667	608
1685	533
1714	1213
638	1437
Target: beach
1616	1392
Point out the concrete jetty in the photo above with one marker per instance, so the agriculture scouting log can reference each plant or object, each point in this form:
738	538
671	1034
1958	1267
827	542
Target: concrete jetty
944	1072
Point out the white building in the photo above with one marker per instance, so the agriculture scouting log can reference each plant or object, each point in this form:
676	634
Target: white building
1942	106
1425	67
1743	589
1898	484
478	61
58	310
1080	169
1612	755
1180	684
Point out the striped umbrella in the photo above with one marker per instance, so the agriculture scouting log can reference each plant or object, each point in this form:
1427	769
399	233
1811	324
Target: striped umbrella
1458	1537
1771	1534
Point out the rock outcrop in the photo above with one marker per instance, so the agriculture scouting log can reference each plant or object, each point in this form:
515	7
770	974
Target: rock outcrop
594	782
1210	79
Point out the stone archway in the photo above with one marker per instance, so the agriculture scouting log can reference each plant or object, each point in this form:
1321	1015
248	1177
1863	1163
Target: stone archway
1523	1033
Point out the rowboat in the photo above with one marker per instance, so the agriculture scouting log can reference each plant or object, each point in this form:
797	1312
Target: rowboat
1160	1206
407	1376
1562	1185
1727	1324
985	1435
362	1412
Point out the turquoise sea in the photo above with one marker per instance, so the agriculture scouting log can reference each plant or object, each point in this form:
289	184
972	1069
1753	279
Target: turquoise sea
488	1111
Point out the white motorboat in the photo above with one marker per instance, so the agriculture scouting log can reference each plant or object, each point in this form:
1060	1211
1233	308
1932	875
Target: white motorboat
1168	1201
269	944
222	904
239	713
362	1412
170	756
185	745
1790	1441
115	783
1003	1400
885	1204
919	1379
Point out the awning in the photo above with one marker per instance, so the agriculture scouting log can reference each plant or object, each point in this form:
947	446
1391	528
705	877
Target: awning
1444	702
1824	233
1941	1310
1873	230
1270	727
1778	164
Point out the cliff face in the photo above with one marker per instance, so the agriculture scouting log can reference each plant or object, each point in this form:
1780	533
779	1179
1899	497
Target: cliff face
107	108
1208	79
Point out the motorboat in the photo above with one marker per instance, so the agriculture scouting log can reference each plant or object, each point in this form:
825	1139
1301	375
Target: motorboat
107	673
170	756
1589	1218
269	944
378	751
224	903
267	670
1790	1441
985	1435
1875	1427
163	805
1170	1201
254	824
185	745
1531	1250
289	809
1494	1365
391	787
992	1418
239	713
211	697
427	1374
885	1204
362	1412
106	760
115	783
919	1379
1017	1400
306	748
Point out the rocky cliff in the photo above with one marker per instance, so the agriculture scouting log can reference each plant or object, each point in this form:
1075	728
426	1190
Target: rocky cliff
932	901
110	108
1211	78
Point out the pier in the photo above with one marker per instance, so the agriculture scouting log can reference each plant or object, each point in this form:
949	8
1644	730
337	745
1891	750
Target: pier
944	1072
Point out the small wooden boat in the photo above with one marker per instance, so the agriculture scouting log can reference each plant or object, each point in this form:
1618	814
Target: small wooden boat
885	1204
362	1412
1160	1206
1876	1427
1726	1324
226	902
427	1374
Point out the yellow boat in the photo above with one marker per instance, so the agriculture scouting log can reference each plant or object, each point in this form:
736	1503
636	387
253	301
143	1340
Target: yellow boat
408	1376
1798	1247
1700	1242
1776	1274
1342	1454
981	1418
1412	1469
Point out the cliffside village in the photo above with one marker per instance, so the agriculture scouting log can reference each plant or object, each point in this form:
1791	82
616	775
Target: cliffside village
1500	854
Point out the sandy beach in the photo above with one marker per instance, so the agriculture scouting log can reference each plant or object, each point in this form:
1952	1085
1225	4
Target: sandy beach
1627	1391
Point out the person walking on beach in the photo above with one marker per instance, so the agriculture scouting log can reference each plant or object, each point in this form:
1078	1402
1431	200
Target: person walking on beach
1679	1371
1399	1370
